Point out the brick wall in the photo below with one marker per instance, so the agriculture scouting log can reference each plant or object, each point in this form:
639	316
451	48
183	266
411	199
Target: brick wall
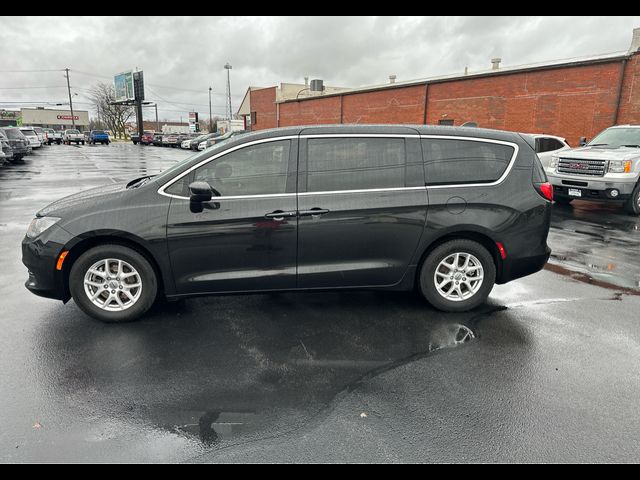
570	101
263	102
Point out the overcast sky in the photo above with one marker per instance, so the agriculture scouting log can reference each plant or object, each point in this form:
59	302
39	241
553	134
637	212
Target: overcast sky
182	57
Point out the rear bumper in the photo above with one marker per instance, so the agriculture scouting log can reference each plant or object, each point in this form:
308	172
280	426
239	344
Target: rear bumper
512	269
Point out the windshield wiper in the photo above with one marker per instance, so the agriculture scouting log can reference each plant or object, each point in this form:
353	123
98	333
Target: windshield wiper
139	182
598	145
632	146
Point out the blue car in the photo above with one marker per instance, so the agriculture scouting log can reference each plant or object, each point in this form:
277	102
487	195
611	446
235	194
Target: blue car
98	136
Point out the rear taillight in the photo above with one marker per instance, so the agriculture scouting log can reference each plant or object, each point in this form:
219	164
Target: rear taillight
545	190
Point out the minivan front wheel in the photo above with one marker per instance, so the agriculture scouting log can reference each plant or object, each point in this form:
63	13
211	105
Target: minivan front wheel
457	276
633	204
113	283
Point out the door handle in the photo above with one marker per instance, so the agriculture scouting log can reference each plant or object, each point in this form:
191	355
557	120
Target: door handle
313	212
280	215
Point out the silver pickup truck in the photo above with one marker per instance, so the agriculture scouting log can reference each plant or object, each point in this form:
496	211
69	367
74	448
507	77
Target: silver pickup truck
605	169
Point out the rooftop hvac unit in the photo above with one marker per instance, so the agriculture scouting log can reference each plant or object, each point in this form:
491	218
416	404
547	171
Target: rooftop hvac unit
317	85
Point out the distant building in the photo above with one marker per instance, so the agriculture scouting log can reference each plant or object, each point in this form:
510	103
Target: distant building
570	98
56	119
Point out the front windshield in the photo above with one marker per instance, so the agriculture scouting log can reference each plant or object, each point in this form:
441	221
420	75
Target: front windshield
618	137
73	131
171	171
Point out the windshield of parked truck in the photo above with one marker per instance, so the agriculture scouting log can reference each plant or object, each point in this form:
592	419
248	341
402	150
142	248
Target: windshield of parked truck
618	137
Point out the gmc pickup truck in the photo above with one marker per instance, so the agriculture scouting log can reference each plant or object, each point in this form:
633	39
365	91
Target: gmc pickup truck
605	169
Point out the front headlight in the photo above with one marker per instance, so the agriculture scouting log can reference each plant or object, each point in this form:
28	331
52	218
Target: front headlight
555	159
620	166
39	224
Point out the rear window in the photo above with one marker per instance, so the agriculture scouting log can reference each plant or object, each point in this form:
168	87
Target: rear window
29	133
14	133
546	144
355	163
98	132
452	161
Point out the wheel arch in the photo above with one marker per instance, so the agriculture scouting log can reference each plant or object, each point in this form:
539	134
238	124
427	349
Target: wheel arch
81	245
482	238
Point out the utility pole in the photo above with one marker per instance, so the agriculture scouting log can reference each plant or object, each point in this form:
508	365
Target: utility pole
73	120
228	68
157	123
210	116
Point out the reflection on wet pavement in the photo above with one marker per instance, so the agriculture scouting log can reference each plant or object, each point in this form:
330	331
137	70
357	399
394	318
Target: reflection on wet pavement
228	369
599	240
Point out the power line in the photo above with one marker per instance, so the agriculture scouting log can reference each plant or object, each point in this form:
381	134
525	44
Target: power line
28	88
30	71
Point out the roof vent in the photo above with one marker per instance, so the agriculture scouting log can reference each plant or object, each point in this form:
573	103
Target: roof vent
392	78
495	63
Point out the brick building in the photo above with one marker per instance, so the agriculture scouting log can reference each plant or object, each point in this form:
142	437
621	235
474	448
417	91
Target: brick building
570	98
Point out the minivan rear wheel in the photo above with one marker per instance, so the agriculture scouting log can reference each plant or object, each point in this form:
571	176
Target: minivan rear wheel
457	276
113	283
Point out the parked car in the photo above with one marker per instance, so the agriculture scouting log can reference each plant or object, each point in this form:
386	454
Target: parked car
98	136
547	146
193	143
147	138
18	142
170	140
42	136
606	169
49	135
157	139
135	138
31	135
6	152
448	211
57	137
73	136
215	139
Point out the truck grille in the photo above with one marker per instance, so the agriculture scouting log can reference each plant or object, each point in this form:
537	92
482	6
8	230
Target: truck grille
573	166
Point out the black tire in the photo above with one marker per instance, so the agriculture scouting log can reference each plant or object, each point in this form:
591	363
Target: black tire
432	261
633	204
563	200
136	260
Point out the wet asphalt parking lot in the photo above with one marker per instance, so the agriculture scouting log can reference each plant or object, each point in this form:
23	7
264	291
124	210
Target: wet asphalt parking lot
547	370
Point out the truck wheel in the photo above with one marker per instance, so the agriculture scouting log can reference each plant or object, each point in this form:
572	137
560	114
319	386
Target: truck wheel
113	283
633	204
457	276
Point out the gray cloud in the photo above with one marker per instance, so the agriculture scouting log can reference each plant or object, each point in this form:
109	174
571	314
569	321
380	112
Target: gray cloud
188	53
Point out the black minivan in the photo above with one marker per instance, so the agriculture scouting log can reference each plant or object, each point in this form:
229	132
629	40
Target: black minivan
447	211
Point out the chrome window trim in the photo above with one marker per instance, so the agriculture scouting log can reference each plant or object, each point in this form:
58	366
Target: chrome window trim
162	189
506	173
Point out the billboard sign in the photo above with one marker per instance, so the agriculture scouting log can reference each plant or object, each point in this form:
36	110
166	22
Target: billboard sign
123	83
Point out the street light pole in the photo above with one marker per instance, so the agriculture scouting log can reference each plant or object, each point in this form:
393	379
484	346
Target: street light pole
228	68
210	115
73	120
157	123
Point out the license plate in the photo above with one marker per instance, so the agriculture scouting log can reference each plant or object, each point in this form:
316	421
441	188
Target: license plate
574	192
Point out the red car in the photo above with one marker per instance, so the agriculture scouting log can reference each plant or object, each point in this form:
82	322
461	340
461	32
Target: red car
147	138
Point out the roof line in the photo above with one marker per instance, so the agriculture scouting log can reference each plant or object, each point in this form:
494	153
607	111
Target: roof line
577	61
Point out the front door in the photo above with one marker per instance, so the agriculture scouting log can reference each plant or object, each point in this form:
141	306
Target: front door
245	238
362	207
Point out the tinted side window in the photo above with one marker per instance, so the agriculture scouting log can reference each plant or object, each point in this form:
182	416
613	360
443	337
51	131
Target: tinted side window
355	163
544	144
464	161
256	170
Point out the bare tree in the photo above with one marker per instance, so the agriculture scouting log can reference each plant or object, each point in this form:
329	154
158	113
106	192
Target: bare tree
113	116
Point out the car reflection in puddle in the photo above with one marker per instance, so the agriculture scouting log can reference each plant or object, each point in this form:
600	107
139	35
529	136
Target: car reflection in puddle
226	369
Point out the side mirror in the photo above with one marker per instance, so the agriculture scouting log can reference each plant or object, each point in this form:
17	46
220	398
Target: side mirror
200	192
583	141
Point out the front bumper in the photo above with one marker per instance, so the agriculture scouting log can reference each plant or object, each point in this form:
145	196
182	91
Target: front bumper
592	189
40	255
